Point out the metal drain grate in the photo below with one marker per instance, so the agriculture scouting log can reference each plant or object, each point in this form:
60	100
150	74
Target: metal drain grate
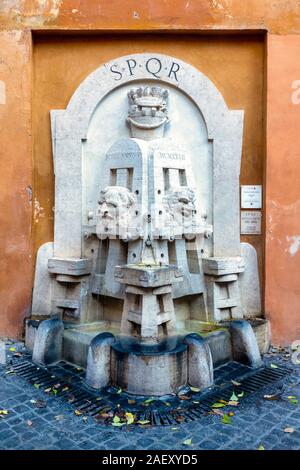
66	381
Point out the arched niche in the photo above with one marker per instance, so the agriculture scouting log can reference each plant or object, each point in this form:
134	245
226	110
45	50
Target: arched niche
71	130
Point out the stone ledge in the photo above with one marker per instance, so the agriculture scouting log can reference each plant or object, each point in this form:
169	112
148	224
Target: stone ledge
219	266
72	266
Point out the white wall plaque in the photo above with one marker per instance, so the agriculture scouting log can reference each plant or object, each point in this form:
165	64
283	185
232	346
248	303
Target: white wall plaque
251	197
250	222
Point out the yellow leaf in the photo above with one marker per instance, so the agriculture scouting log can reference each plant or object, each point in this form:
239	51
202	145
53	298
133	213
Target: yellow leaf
131	402
218	405
3	412
12	349
187	442
194	389
143	421
273	366
261	447
130	418
77	412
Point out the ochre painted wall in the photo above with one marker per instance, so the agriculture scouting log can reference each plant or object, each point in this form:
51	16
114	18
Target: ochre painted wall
235	65
282	300
15	181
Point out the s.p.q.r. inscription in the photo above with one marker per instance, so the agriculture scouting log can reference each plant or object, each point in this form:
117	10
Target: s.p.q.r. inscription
153	66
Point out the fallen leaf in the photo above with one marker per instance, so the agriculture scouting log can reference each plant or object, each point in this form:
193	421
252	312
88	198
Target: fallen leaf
233	403
130	418
65	389
3	412
290	430
187	442
131	402
77	413
167	403
217	412
119	391
261	447
149	400
236	384
143	421
233	397
36	385
240	395
32	401
174	429
59	417
271	397
184	397
40	404
194	389
231	413
226	419
218	405
293	400
12	349
273	366
223	401
47	390
180	418
29	422
196	402
117	421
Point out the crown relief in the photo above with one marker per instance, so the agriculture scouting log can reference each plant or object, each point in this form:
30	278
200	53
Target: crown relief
148	107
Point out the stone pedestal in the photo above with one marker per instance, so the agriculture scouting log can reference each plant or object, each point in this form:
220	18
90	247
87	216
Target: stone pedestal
222	286
148	312
149	369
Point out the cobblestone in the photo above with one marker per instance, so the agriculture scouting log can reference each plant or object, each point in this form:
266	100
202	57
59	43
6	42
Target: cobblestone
257	422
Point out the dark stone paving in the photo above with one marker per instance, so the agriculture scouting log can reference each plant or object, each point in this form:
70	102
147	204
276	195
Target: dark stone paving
258	422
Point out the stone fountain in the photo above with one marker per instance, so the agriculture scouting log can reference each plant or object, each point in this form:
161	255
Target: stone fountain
146	285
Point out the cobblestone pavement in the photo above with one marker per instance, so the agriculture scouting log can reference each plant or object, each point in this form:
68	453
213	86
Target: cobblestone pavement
257	423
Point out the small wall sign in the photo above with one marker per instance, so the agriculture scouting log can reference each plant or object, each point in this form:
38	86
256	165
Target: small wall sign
251	197
250	222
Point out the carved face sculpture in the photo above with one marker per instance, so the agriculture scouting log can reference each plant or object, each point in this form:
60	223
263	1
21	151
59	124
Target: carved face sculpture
179	204
115	211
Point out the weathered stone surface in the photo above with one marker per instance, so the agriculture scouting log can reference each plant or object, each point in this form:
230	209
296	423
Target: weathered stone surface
219	266
73	266
31	327
200	364
249	282
220	346
42	290
147	373
98	371
244	344
2	352
48	342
